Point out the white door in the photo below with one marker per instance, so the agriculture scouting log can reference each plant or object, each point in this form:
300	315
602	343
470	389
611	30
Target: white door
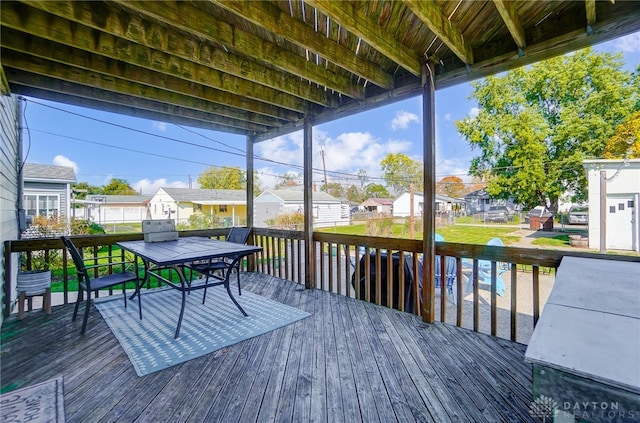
619	223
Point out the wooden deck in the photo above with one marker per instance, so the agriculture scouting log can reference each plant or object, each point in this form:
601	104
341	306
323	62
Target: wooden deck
351	361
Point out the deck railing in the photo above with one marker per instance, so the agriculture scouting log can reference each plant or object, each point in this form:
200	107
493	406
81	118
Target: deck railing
343	260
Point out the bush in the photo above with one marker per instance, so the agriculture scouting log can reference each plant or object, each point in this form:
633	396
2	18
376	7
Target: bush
380	226
199	220
291	221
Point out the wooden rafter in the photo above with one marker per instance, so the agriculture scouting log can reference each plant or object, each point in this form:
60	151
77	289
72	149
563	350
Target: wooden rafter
155	36
127	80
352	19
507	10
431	15
274	20
4	83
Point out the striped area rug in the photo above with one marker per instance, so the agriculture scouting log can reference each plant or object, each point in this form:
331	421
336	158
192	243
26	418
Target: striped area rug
208	327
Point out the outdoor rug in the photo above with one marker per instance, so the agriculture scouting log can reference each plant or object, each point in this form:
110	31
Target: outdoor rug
208	327
41	403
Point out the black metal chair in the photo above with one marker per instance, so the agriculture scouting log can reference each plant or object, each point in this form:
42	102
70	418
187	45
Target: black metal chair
209	267
89	284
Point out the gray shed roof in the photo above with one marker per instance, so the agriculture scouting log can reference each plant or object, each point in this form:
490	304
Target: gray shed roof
52	173
199	195
297	196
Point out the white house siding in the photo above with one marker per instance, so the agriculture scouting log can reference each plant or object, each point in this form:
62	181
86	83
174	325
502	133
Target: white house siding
325	213
9	165
622	203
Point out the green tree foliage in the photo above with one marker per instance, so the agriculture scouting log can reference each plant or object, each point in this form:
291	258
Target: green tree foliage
82	189
223	178
355	194
118	186
536	124
375	191
451	186
625	142
400	171
334	189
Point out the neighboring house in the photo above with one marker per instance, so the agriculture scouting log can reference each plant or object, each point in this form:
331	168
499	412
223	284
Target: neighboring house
104	209
229	206
380	206
622	203
479	201
444	204
10	152
327	210
47	190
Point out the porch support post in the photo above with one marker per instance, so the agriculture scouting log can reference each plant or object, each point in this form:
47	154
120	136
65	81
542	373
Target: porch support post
250	180
429	163
309	255
250	184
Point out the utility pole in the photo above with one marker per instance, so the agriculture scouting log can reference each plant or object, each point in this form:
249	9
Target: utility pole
324	167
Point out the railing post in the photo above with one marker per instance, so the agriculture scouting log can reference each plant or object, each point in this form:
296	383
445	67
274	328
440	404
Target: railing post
6	309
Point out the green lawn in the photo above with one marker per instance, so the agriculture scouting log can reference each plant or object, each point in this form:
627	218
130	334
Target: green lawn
454	233
556	241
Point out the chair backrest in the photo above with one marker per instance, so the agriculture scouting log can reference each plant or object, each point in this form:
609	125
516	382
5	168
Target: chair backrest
495	241
77	259
439	237
238	235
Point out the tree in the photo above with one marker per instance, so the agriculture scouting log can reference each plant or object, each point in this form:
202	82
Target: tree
625	142
355	194
537	124
287	180
223	178
334	189
376	191
118	186
400	171
82	189
451	186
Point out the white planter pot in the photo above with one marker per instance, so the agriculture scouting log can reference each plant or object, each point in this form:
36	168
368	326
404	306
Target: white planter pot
33	282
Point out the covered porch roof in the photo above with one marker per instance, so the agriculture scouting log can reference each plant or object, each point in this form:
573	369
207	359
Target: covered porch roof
259	68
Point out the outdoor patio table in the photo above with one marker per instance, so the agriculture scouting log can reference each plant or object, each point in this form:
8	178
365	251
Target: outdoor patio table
157	256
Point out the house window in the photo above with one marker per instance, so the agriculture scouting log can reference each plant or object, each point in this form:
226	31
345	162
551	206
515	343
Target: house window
42	204
222	208
197	207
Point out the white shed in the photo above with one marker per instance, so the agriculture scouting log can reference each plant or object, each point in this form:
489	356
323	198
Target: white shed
622	192
402	204
327	210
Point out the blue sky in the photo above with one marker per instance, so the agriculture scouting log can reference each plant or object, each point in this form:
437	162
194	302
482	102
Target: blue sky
101	145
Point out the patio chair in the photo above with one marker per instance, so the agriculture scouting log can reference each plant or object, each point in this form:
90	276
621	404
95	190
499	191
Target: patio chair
484	270
450	275
209	267
88	284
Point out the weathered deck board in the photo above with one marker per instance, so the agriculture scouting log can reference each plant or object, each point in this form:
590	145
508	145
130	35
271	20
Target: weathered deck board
350	361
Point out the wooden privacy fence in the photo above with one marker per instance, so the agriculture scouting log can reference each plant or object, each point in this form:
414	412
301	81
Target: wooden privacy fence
386	271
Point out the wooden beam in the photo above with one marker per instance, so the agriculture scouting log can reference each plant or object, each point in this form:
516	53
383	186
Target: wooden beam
148	39
590	6
507	10
84	96
142	58
4	83
92	98
200	99
188	18
273	19
431	14
309	246
351	18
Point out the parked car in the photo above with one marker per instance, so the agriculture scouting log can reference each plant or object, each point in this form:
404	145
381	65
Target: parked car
578	215
537	211
497	214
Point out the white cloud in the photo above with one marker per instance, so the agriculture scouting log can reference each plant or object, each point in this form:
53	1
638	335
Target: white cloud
60	160
146	186
629	43
474	112
160	126
447	117
403	119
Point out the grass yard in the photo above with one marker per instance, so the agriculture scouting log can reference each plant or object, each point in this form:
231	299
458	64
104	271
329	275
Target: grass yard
464	234
556	241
